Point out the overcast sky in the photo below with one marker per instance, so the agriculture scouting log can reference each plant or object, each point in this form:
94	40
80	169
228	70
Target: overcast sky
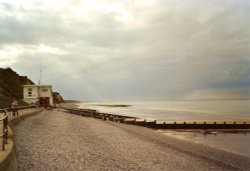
109	50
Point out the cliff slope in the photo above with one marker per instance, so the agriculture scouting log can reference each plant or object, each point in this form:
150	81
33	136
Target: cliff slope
57	98
11	87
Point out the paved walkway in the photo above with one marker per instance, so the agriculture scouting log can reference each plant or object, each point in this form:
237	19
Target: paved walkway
55	140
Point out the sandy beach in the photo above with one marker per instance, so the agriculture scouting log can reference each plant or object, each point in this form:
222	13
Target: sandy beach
60	141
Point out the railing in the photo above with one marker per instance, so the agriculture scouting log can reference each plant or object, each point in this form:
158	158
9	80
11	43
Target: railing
10	114
4	135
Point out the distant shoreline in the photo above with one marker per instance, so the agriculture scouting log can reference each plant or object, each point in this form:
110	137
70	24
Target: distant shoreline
78	101
75	101
112	105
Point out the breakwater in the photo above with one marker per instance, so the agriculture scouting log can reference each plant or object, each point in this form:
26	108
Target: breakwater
156	125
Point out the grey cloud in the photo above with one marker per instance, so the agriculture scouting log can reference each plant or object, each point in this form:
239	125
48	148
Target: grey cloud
175	51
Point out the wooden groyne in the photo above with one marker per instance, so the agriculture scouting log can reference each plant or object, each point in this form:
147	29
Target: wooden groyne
154	124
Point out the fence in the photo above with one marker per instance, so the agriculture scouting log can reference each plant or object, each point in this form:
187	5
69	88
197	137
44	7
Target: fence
10	114
156	125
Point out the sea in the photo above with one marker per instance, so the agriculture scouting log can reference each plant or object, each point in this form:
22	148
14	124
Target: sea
184	110
233	141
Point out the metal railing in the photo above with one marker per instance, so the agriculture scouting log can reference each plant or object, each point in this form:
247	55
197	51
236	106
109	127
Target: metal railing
10	114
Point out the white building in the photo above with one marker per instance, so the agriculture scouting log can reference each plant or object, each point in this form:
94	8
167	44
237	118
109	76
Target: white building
41	94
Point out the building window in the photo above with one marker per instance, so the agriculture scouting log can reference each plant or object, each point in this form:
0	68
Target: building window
30	93
29	89
44	90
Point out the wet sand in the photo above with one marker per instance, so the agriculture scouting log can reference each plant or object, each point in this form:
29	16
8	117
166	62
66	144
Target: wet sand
54	140
235	141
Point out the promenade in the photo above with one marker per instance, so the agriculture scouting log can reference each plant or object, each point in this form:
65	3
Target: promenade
55	140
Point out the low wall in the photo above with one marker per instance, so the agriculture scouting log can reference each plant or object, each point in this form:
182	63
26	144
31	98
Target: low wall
8	157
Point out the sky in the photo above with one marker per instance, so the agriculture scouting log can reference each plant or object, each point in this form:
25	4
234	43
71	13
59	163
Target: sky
130	50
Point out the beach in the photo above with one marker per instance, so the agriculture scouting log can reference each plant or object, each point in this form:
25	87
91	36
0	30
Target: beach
209	111
61	141
234	141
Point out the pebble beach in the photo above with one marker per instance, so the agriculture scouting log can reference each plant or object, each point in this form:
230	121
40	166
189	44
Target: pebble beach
55	140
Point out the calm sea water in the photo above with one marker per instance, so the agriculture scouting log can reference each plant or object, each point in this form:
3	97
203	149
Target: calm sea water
180	110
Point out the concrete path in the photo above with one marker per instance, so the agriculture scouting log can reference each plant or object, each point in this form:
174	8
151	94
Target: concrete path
55	140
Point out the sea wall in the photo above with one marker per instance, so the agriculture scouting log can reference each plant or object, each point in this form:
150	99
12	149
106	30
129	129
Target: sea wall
8	157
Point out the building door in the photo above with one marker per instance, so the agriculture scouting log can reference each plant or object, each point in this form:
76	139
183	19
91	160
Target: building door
44	101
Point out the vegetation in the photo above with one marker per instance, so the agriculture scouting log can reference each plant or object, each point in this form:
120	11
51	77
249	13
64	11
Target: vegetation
57	98
11	87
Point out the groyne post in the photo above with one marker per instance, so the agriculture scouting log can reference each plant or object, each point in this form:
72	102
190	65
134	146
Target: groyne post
124	120
155	125
205	126
195	126
164	125
215	125
174	126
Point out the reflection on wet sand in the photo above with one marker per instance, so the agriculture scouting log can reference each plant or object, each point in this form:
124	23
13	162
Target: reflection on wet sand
235	141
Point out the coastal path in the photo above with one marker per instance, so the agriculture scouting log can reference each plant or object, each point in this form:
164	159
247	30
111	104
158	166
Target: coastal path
55	140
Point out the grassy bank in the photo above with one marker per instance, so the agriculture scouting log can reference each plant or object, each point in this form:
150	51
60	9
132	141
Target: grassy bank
5	102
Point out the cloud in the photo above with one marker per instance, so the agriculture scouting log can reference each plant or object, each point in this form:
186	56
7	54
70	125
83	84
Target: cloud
119	50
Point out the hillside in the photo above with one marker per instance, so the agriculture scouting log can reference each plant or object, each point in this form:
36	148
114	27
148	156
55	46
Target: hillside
11	87
57	98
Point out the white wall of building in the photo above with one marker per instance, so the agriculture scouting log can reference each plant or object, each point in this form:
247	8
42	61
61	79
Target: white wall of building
30	93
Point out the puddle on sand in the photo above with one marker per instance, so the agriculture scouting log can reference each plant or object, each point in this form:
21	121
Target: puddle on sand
228	140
